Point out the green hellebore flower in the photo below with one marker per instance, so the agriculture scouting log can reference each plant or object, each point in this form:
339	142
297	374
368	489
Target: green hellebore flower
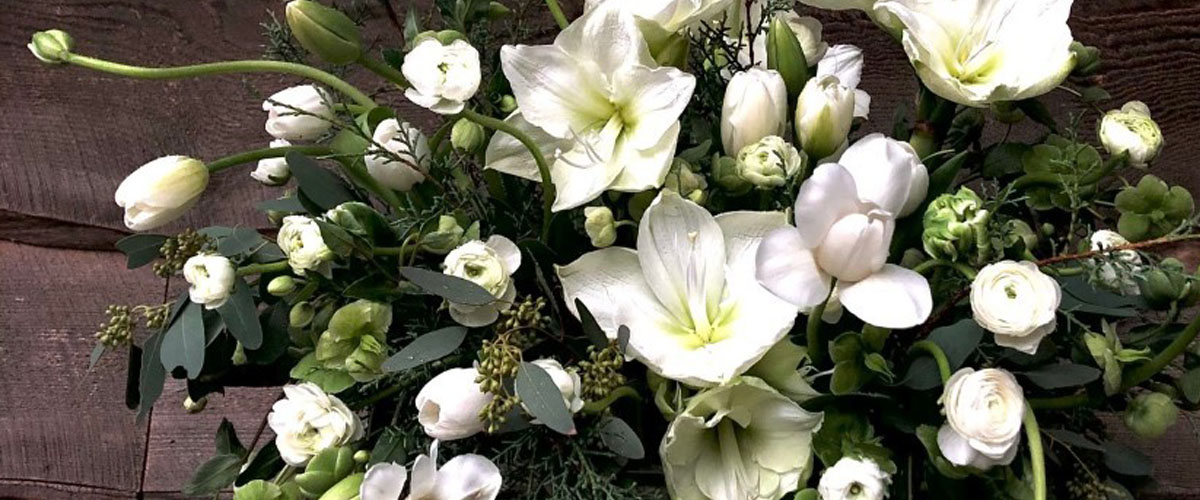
1111	356
1152	209
258	489
1066	169
1150	415
684	180
301	314
1165	284
956	227
366	362
51	46
325	470
324	31
361	317
448	235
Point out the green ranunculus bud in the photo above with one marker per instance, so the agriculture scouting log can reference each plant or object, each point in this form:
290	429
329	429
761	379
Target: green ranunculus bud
447	236
1150	415
51	46
785	54
301	315
725	173
600	226
346	489
1152	209
281	285
325	470
194	407
956	227
324	31
508	104
1087	59
1130	130
770	162
466	135
685	181
258	489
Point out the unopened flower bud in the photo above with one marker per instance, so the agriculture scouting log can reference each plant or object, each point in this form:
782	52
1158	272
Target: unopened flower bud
769	162
685	181
1165	284
51	46
346	489
301	315
824	114
281	285
1150	415
1131	130
466	135
726	174
785	52
600	226
194	406
956	227
508	104
324	31
755	106
161	191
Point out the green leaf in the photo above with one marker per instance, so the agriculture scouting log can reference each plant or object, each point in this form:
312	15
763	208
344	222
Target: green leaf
287	204
95	357
1058	376
336	238
322	187
1005	159
1094	94
241	316
1073	439
620	438
429	347
140	249
265	465
542	399
183	344
1122	459
943	177
848	376
275	338
214	475
243	239
309	369
390	448
375	287
227	440
927	434
590	327
1038	112
452	288
878	364
258	490
957	341
1189	385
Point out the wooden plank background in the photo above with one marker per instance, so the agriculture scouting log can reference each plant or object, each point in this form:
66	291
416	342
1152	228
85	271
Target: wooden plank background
70	136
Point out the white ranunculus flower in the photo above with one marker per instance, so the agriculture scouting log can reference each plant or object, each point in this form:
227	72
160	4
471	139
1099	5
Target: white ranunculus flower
688	294
211	278
1016	302
465	477
743	441
442	78
273	171
830	102
670	15
1132	130
448	406
756	106
1105	239
854	479
409	155
984	411
161	191
978	52
307	421
845	216
597	105
300	239
299	113
489	264
567	381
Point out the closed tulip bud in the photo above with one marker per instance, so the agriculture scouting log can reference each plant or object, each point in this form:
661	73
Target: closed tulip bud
1150	415
405	157
785	54
770	162
273	171
161	191
300	113
1131	130
281	285
824	113
51	46
466	136
449	405
301	315
755	106
600	226
324	31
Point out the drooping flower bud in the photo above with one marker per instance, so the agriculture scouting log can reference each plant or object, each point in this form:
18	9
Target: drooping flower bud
600	226
324	31
1131	130
51	46
1150	415
301	314
273	171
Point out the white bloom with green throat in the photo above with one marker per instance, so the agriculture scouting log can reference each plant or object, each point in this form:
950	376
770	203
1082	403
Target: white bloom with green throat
300	239
1132	130
687	294
211	278
490	265
161	191
854	479
597	104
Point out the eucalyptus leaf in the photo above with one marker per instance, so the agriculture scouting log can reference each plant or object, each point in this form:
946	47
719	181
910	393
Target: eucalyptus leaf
140	249
429	347
214	475
957	342
227	441
452	288
389	448
1122	459
265	465
336	238
375	287
95	356
242	240
241	316
1073	439
620	438
275	339
542	399
287	204
591	328
322	187
183	344
1060	375
1004	159
1189	385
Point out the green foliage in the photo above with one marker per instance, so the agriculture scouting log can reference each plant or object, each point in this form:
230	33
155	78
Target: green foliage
1152	209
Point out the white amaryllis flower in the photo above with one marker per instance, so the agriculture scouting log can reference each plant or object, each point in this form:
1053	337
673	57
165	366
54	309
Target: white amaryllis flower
273	171
830	102
670	15
978	52
743	441
307	420
1132	130
448	406
465	477
301	241
755	106
597	104
1107	274
489	264
442	78
854	479
211	278
567	381
160	191
1016	302
983	418
688	294
845	215
299	113
409	155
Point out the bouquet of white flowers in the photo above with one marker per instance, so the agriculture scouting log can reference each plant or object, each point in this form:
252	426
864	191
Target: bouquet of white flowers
664	229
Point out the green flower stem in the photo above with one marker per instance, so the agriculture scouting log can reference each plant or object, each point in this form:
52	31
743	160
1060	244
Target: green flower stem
543	167
221	68
357	172
593	407
924	267
262	154
384	70
939	356
1037	458
557	12
270	267
397	251
812	331
1063	402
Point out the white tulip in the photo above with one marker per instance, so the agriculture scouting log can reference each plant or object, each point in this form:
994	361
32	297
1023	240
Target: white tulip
567	381
854	479
670	15
744	441
161	191
442	78
300	113
756	106
1016	302
845	216
490	265
448	406
978	52
1107	274
273	171
984	411
211	278
830	102
688	294
301	241
597	104
308	420
1132	130
465	477
407	157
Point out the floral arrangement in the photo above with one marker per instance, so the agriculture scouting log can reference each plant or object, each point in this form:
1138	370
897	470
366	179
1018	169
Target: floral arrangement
664	229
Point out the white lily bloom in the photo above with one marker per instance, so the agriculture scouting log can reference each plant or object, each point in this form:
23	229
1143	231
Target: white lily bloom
845	215
465	477
977	52
670	15
688	294
984	411
830	102
597	105
411	155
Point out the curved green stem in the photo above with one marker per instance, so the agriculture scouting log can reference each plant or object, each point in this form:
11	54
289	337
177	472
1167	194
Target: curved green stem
598	406
270	267
967	271
1037	458
384	70
357	172
1144	371
262	154
939	356
812	333
543	167
221	68
557	12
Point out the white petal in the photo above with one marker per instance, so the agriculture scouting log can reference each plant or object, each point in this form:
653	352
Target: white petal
843	61
646	169
827	196
954	447
554	91
788	269
466	477
424	474
894	297
606	36
743	232
506	154
507	251
576	185
652	100
862	104
887	172
384	481
610	283
682	252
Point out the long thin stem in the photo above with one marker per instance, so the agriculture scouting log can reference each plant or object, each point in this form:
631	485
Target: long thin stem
812	333
270	267
557	12
967	271
598	406
384	70
939	356
1037	458
262	154
543	167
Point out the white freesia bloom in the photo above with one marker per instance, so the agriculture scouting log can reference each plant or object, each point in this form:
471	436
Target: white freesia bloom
744	441
831	101
1107	273
448	406
465	477
161	191
983	418
442	78
409	155
300	239
1132	130
307	421
844	219
211	278
670	15
299	113
489	264
597	104
1017	302
273	171
854	479
756	106
978	52
688	294
567	381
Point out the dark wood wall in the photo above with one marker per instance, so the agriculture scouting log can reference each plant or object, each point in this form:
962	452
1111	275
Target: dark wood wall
68	136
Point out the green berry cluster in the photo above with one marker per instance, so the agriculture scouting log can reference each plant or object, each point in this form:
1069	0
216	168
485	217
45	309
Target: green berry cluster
118	330
155	316
177	250
499	360
525	315
601	372
1085	485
